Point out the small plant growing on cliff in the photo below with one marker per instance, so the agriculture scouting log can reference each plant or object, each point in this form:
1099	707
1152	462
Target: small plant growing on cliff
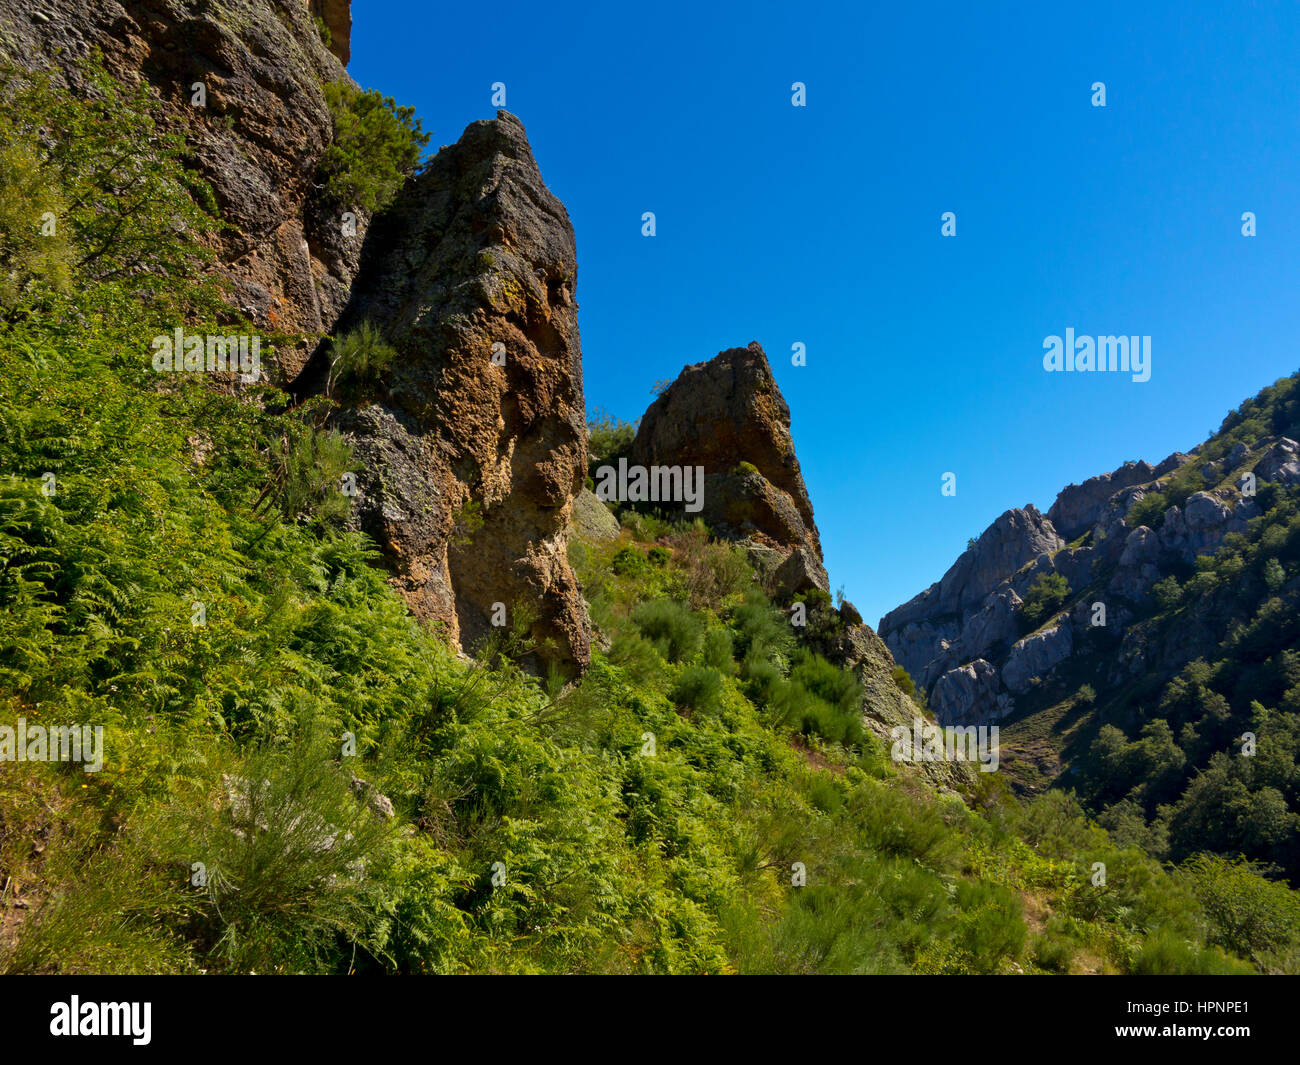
358	357
904	681
377	145
1045	595
466	522
90	186
306	473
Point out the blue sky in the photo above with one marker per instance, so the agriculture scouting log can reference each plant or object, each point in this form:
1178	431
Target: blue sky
821	224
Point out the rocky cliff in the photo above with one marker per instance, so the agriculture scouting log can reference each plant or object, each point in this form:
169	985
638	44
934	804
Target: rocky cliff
975	645
257	131
728	416
473	446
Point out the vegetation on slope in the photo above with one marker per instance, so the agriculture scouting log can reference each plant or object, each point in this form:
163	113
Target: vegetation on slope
185	581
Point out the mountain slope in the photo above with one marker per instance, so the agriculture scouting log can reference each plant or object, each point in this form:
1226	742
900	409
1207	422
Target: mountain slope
1135	657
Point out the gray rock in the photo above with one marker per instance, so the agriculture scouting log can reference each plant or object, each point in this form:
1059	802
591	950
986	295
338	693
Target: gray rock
968	695
1142	545
800	572
1204	511
379	803
592	520
1079	506
1015	539
1280	463
1037	655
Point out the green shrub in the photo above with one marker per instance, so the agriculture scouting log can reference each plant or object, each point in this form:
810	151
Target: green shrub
719	650
608	438
629	562
1247	913
1167	593
904	681
698	688
376	146
1165	953
1045	596
1148	511
358	358
762	631
673	628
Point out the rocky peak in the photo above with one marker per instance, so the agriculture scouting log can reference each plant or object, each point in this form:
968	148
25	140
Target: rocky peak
969	611
472	462
728	416
1078	507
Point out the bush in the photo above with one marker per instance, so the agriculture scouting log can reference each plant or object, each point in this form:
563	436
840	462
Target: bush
358	358
671	626
125	206
629	562
609	438
1045	596
698	688
1167	594
1247	912
1165	953
904	681
376	147
719	650
763	632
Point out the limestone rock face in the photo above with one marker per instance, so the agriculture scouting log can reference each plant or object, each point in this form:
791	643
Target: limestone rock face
729	416
257	141
1037	655
914	631
1079	506
1281	462
968	695
471	464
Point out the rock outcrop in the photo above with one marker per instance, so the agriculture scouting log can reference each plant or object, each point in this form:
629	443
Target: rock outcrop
885	707
925	627
966	640
1036	655
967	695
473	445
256	139
336	15
728	416
1078	506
